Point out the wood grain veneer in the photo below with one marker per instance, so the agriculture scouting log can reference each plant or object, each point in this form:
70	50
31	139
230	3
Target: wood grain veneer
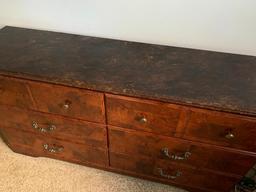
202	156
33	144
161	118
77	131
189	177
15	92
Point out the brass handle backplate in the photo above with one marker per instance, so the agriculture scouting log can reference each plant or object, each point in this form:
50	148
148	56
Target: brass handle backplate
53	149
41	129
167	176
183	156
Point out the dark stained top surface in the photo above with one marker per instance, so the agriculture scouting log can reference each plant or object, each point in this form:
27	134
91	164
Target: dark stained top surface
194	77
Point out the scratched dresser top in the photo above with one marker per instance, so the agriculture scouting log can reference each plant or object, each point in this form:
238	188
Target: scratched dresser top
207	79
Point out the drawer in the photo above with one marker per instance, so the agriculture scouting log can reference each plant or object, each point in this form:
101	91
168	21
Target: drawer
223	129
196	155
173	173
36	145
67	101
15	92
142	115
90	134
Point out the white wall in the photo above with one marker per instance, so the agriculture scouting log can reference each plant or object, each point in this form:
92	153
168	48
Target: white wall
222	25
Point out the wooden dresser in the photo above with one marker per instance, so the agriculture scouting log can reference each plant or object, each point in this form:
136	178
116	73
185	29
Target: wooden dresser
178	116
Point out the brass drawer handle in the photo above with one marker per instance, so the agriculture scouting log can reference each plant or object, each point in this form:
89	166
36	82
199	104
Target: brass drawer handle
184	156
44	130
175	176
230	135
53	149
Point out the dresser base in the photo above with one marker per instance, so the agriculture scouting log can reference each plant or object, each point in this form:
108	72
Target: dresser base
11	138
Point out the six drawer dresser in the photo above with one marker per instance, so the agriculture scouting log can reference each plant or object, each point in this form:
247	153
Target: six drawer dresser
179	116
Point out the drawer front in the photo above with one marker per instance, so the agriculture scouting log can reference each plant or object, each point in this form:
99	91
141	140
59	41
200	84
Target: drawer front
192	154
172	173
90	134
72	102
35	145
143	115
221	129
14	92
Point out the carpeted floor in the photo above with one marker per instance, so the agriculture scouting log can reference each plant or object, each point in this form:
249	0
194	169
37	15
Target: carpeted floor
19	173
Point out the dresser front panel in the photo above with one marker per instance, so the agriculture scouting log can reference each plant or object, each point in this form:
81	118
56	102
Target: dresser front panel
172	173
90	134
42	146
15	92
67	101
144	115
135	143
222	129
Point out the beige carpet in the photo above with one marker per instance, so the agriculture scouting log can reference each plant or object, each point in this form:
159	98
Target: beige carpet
20	173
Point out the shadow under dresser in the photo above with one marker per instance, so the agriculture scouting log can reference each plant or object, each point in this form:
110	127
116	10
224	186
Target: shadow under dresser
178	116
